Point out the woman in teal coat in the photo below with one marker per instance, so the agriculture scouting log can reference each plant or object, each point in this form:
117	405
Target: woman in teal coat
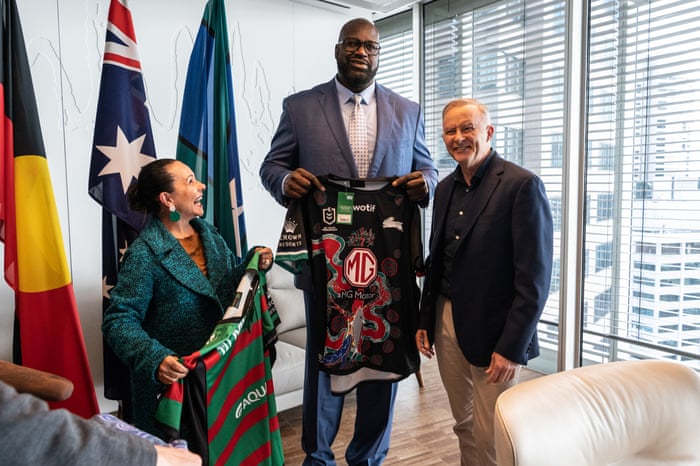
175	283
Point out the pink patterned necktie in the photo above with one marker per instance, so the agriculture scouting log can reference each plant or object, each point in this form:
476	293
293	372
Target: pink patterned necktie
357	132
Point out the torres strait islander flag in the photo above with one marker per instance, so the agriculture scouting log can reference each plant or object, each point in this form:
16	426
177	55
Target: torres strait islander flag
225	408
48	335
207	140
122	144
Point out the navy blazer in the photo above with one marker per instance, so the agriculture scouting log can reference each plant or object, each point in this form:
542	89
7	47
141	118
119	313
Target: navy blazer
502	268
312	135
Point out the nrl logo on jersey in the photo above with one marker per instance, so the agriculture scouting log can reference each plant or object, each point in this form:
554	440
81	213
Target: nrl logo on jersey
329	215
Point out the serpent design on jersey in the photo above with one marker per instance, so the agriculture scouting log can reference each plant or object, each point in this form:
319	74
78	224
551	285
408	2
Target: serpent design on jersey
353	312
361	243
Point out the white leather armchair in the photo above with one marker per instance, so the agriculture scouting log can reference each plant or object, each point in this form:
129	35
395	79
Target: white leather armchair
622	413
288	370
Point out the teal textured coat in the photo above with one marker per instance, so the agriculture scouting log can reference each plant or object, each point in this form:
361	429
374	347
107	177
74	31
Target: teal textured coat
163	304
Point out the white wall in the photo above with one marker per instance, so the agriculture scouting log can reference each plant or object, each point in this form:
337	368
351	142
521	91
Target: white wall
278	47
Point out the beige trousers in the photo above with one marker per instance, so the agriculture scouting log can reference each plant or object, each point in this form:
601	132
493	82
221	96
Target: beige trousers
472	400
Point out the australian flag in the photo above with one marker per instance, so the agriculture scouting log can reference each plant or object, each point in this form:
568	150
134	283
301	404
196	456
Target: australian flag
122	144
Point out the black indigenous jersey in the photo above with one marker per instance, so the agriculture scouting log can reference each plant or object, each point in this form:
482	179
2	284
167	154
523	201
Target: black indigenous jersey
361	239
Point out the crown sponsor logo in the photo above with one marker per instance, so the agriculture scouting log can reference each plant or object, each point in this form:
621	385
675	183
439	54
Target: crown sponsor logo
290	225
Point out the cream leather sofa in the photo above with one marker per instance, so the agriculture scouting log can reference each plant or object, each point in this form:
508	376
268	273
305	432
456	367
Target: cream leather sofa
622	413
288	370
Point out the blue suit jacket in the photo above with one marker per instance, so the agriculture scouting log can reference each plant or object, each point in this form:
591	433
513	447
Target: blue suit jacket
312	135
502	267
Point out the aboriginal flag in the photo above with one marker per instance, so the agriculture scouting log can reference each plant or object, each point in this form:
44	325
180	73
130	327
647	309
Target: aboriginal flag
48	335
207	140
122	144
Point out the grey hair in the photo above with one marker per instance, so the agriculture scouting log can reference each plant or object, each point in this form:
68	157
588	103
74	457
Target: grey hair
483	109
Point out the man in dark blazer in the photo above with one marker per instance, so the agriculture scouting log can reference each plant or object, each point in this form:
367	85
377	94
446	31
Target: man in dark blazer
312	139
32	433
487	277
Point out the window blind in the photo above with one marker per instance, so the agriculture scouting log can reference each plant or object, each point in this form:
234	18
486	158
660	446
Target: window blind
510	56
642	291
641	253
396	57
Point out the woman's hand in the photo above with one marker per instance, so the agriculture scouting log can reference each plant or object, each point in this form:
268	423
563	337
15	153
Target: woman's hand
266	257
170	370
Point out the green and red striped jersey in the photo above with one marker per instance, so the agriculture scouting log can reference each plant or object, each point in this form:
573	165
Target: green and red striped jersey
225	408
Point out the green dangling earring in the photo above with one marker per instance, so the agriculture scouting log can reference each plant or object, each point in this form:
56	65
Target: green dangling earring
174	214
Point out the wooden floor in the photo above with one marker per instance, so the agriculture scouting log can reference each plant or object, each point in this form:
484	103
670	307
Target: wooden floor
421	433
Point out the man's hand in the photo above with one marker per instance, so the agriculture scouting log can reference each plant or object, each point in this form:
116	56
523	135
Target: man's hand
416	187
501	369
299	182
170	456
423	344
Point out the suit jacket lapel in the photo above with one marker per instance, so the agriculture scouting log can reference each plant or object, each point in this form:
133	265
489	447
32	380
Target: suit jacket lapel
441	206
328	103
385	115
487	186
489	183
176	261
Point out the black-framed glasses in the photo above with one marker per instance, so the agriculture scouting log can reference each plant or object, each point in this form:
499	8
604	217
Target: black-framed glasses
353	45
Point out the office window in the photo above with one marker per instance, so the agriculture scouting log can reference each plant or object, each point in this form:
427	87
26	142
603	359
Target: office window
557	150
607	157
692	247
642	130
673	267
602	305
644	280
605	207
643	190
396	56
645	248
603	256
641	311
556	276
555	206
510	55
512	144
643	296
644	266
642	126
671	249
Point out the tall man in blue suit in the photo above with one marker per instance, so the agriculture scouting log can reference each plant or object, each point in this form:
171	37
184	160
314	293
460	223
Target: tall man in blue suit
487	276
312	139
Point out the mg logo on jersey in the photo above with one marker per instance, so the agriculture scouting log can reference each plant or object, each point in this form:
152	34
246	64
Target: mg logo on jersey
360	267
